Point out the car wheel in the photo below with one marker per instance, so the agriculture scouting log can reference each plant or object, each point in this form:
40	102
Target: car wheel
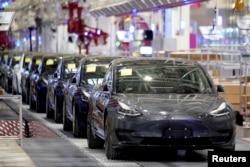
67	124
75	122
38	102
27	96
49	113
77	131
94	142
23	97
111	153
9	88
58	118
31	102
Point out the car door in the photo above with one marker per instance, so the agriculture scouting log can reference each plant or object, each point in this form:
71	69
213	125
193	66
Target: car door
69	94
101	98
53	84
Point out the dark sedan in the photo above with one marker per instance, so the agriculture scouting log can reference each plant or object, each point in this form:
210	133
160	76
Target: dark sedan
164	103
35	60
39	81
90	72
7	75
54	101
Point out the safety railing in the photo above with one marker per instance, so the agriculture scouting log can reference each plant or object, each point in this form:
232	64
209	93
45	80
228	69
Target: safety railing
20	135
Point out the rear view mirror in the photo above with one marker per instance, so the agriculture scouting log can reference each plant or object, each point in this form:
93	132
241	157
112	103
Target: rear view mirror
220	88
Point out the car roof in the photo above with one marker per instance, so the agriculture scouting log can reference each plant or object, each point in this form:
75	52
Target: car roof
172	61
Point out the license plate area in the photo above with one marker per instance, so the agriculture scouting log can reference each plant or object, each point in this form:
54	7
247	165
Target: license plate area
177	133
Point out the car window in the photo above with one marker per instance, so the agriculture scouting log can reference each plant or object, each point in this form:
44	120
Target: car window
94	73
150	77
70	68
108	80
26	61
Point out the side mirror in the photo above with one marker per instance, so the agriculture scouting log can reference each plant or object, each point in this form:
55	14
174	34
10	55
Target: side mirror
105	88
73	80
220	88
55	75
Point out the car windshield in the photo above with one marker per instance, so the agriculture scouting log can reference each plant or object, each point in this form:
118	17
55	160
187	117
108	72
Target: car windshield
161	76
15	60
70	67
95	70
26	61
50	65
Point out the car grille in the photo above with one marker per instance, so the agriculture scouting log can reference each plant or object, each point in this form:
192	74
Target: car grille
186	142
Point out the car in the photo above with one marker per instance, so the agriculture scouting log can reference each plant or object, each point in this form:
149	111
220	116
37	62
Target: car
3	64
39	81
18	70
56	83
158	103
90	72
35	60
7	75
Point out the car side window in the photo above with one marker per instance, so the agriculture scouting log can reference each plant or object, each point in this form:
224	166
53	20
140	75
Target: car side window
78	74
108	80
58	71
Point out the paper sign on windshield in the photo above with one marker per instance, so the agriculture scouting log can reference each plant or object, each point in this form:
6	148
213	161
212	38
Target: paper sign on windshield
126	72
38	61
27	60
17	58
91	68
49	62
71	66
5	56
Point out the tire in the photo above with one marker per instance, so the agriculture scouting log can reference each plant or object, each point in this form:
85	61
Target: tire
9	88
38	103
94	142
67	124
111	153
75	127
57	116
77	131
31	102
27	94
23	98
49	113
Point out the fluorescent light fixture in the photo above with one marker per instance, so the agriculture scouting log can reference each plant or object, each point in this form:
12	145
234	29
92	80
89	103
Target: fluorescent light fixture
146	50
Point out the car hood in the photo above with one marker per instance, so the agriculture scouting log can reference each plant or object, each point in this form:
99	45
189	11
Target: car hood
172	103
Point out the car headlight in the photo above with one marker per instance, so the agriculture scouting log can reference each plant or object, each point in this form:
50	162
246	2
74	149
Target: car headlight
126	110
222	110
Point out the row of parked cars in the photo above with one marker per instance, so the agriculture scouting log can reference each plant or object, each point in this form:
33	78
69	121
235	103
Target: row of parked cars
57	84
120	103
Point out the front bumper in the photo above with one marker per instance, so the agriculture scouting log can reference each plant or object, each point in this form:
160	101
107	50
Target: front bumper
176	132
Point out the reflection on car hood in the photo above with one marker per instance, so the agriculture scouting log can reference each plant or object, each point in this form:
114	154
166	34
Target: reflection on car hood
172	103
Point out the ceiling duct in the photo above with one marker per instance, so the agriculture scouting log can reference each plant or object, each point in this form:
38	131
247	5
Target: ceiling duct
122	9
149	3
119	7
157	2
